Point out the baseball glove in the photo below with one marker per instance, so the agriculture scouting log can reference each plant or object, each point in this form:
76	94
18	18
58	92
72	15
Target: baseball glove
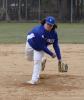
62	67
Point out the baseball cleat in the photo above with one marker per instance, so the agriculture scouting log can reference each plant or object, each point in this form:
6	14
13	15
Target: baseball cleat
31	82
43	64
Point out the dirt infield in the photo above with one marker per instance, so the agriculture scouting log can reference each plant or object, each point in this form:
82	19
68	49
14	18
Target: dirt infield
15	70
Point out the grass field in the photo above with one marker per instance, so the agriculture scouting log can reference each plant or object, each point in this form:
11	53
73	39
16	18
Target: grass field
16	32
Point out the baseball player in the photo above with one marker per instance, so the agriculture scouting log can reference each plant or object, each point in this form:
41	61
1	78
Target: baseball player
37	43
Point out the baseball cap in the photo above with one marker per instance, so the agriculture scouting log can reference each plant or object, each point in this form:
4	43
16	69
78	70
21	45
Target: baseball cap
50	20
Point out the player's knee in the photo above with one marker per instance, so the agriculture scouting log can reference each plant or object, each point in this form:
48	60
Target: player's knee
37	62
29	55
29	58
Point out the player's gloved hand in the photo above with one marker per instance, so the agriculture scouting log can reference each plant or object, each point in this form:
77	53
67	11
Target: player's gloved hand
62	67
54	55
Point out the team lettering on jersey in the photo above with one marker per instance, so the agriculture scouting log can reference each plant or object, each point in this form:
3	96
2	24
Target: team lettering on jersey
51	41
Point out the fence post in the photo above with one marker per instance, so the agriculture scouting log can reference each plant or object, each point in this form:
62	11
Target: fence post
3	4
19	11
71	11
26	10
7	17
39	10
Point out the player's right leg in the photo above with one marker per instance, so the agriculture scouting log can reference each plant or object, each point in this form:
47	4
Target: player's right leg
29	52
37	67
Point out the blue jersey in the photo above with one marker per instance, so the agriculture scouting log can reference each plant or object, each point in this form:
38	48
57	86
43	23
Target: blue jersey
39	39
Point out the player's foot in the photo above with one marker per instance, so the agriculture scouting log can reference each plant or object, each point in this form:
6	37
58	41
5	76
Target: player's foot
32	82
43	64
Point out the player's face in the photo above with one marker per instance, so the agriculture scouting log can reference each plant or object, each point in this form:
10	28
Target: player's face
48	27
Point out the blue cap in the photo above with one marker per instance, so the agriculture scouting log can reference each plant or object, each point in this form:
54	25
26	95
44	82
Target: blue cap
50	20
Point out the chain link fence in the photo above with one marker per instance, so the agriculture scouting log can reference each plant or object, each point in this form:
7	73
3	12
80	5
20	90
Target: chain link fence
33	10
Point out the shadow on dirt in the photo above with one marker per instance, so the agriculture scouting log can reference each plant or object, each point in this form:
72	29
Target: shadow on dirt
57	83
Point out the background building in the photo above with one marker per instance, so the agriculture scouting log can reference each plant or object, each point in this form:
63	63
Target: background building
63	10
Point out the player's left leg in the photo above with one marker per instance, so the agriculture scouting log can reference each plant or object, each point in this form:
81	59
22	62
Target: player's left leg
38	55
43	63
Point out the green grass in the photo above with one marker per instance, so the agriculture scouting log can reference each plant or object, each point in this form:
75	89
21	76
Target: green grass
16	32
71	33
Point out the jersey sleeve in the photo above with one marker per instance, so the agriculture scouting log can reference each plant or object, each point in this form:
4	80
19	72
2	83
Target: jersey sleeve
45	49
56	47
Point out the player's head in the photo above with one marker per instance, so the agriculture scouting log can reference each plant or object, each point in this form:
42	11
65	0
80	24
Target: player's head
50	20
49	23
